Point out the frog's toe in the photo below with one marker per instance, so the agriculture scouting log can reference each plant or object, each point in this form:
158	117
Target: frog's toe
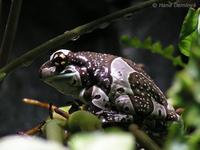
172	116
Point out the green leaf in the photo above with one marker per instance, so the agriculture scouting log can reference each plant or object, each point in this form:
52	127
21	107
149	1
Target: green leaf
189	23
125	40
136	42
157	47
147	42
169	50
188	28
54	130
177	60
102	141
185	44
83	121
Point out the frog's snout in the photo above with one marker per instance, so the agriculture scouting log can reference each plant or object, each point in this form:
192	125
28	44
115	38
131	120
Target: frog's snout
47	70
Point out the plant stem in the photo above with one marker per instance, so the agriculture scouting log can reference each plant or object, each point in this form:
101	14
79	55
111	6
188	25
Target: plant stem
1	24
47	106
143	139
69	35
10	31
34	130
38	103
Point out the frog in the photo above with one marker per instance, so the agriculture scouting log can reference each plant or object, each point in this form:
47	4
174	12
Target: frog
115	89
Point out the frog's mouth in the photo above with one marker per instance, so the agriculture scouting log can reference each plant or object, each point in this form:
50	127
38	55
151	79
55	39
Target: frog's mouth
65	78
49	72
59	77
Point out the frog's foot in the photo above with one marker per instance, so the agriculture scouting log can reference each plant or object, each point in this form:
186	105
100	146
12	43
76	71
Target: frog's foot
172	116
113	117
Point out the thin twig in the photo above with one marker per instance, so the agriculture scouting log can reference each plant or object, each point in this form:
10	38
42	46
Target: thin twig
61	112
1	24
38	103
10	31
52	108
143	139
34	130
1	9
73	34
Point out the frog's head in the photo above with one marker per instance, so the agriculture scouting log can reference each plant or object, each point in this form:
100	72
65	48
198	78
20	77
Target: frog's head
60	74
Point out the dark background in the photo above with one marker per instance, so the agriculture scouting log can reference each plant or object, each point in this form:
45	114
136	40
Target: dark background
40	20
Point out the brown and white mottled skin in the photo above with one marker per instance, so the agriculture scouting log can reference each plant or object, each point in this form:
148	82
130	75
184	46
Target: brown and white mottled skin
113	88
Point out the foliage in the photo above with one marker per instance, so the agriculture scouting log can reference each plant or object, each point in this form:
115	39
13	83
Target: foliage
154	47
88	122
100	140
188	30
185	93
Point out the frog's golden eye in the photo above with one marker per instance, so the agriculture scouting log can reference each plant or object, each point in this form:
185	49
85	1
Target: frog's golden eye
59	59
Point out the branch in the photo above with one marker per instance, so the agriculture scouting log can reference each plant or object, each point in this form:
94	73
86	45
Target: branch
143	139
10	31
34	130
73	34
52	108
1	24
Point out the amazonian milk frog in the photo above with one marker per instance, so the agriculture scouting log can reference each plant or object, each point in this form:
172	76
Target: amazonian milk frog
113	88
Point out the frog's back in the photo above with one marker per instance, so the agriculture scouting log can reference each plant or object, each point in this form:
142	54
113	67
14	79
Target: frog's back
146	96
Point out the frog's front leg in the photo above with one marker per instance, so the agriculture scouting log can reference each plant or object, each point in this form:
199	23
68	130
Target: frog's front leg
100	105
97	98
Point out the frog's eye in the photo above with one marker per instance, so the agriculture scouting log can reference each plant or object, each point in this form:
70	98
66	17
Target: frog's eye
59	59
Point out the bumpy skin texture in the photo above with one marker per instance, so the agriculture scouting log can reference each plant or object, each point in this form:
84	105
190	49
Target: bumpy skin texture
113	88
